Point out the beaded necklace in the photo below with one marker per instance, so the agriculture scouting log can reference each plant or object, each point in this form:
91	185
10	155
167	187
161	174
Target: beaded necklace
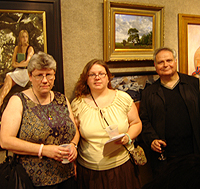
49	117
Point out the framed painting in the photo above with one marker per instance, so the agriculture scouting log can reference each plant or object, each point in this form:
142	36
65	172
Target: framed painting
42	19
132	31
11	23
189	43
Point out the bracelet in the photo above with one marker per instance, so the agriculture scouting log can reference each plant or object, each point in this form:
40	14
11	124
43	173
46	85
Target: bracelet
74	144
40	151
129	139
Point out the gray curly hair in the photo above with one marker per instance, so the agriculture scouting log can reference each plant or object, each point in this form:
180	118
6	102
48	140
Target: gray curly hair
40	61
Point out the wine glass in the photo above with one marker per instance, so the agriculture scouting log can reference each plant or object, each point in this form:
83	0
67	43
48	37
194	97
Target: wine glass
162	156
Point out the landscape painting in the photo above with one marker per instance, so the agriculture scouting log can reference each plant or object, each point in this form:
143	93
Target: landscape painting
133	31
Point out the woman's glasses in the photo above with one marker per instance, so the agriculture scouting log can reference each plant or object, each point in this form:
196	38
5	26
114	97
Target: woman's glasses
93	76
41	77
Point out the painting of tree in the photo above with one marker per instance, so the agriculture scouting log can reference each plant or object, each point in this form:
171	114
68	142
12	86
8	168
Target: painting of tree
133	31
133	36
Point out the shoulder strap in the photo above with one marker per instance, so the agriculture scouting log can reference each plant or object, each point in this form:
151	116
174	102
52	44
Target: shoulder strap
27	51
99	109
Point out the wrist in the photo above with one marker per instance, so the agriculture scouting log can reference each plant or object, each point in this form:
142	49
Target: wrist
129	138
75	145
40	151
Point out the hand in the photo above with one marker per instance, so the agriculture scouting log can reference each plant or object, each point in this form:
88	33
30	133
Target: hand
156	145
123	141
73	154
56	152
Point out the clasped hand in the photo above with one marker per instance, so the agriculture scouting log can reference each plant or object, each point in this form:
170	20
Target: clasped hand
59	153
157	144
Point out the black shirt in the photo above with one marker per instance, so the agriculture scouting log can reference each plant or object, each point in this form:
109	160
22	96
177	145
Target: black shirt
178	128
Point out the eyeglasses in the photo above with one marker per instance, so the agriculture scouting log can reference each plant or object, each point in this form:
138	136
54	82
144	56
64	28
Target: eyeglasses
93	76
41	77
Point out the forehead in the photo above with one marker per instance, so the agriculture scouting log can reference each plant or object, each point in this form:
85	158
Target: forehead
41	71
164	53
24	34
97	67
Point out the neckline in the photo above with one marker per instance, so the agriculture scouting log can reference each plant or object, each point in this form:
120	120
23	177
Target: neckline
38	103
116	95
38	99
171	88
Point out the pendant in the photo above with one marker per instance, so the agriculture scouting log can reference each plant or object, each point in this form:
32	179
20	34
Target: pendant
50	118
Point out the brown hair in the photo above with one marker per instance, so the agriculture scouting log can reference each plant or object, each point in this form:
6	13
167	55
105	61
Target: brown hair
81	88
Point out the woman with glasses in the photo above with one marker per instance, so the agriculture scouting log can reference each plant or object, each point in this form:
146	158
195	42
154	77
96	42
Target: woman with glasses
21	56
45	121
96	108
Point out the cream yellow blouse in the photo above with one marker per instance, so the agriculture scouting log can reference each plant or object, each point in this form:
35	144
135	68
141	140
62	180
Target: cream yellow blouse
93	133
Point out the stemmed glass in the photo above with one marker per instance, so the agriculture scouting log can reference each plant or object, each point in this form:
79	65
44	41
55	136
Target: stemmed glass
162	156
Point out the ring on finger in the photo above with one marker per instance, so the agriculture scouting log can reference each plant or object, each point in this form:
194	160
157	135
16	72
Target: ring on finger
60	152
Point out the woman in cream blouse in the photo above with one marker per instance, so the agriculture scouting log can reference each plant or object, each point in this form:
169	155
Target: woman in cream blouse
95	104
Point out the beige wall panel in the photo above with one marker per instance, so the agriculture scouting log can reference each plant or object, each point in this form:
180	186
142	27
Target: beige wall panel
82	31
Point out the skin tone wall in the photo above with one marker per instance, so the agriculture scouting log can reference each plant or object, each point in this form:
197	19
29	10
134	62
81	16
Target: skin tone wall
82	31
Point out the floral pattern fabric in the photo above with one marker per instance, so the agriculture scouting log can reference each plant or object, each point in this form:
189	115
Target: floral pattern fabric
37	127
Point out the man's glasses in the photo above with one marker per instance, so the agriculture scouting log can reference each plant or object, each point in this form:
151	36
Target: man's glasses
93	76
41	77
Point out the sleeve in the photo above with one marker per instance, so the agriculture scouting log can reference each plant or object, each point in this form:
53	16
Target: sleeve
145	112
125	101
75	106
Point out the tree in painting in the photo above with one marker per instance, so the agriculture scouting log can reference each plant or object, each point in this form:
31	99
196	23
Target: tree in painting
133	35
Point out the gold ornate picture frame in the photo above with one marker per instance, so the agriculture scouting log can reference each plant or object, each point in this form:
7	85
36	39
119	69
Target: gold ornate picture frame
189	41
146	16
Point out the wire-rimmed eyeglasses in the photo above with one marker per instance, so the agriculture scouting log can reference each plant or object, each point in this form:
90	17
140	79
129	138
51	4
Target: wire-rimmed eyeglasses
41	77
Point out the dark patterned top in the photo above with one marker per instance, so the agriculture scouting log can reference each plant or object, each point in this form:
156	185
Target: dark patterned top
37	128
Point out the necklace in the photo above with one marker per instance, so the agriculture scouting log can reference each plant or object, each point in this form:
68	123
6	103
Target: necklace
49	117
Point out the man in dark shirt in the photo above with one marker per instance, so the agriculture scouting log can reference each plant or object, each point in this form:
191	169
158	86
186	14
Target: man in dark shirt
170	111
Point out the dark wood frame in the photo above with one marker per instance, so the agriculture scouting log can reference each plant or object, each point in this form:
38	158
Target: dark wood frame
53	29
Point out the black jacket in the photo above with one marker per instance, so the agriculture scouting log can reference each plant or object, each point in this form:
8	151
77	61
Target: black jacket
152	109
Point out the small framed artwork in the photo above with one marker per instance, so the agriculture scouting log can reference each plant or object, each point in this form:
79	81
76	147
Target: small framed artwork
132	31
189	44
